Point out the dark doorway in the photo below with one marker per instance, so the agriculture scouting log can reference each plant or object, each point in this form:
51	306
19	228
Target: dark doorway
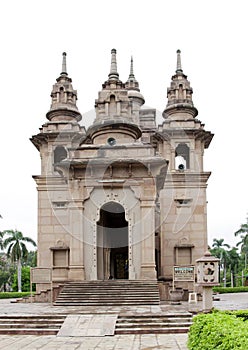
112	242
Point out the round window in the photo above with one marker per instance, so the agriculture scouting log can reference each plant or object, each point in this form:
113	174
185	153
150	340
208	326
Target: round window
111	141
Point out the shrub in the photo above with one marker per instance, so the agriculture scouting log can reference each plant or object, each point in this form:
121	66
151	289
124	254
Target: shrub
9	295
25	280
230	289
218	331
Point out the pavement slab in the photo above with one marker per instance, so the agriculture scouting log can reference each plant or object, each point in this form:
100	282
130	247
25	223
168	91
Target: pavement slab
88	326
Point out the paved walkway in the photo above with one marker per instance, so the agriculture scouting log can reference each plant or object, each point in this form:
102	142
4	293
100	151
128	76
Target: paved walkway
117	342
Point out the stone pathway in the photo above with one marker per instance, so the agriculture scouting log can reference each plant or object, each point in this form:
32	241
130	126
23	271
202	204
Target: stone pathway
116	342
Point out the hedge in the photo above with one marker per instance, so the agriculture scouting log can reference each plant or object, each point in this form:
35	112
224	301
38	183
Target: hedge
230	289
9	295
219	330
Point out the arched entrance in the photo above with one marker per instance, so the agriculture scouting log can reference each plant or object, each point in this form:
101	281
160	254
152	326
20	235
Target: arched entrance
112	242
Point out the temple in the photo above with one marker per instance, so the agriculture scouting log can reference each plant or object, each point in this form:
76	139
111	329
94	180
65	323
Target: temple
124	198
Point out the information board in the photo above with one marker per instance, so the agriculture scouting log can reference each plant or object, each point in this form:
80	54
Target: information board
184	273
41	275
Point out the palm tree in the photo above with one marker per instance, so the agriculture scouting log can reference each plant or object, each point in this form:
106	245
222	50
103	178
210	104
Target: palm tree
1	240
220	252
243	232
17	250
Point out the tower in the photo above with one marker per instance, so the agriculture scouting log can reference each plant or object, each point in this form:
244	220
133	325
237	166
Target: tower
183	198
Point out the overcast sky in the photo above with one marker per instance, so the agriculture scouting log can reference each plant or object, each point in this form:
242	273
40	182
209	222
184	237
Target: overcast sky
212	36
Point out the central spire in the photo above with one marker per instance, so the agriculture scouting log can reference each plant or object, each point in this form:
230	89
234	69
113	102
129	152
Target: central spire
113	75
64	70
179	63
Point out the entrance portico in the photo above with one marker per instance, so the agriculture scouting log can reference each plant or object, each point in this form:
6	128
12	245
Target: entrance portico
112	242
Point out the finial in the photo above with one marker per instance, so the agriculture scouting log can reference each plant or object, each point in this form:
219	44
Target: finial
131	68
64	71
179	64
113	69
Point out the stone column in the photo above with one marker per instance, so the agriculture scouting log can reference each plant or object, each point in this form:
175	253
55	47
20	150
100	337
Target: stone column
148	271
76	271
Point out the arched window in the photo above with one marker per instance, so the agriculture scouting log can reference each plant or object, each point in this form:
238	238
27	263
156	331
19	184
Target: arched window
60	153
182	157
112	105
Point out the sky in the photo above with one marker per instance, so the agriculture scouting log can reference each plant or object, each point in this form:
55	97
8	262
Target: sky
212	36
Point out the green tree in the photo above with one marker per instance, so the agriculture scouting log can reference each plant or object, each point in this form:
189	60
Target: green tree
243	243
233	262
219	250
17	250
1	240
6	273
25	280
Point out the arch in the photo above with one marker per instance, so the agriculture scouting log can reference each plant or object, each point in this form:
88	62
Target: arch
60	153
182	160
112	105
112	242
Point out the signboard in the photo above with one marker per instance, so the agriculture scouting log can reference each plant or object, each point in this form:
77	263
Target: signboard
184	273
41	275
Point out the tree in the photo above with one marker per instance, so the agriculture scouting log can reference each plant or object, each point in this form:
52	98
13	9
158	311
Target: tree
25	280
218	250
243	243
1	240
17	250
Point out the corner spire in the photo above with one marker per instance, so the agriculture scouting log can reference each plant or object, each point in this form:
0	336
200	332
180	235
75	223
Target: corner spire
64	70
131	75
179	95
113	75
64	98
179	63
132	83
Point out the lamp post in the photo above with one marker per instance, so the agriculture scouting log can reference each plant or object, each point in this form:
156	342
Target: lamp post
207	277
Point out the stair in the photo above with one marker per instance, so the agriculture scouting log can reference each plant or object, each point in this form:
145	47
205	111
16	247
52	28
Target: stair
153	324
31	324
109	293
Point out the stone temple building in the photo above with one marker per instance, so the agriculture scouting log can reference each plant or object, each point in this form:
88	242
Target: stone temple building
124	198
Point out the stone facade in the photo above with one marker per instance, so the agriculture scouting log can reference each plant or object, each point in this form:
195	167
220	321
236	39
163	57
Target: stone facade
126	198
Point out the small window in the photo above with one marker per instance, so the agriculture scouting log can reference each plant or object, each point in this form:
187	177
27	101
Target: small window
60	153
59	258
182	157
111	141
183	255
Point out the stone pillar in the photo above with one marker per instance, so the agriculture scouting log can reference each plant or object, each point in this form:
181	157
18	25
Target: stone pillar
207	299
148	271
76	271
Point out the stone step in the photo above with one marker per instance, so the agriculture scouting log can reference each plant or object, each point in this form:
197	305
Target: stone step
144	324
28	325
31	324
109	293
97	296
99	303
29	331
138	330
152	325
156	321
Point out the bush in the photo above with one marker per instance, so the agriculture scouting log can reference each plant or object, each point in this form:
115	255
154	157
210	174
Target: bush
230	289
25	281
219	331
9	295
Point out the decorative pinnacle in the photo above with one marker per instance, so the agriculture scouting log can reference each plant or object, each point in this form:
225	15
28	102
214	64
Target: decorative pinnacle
131	75
113	75
64	71
179	64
